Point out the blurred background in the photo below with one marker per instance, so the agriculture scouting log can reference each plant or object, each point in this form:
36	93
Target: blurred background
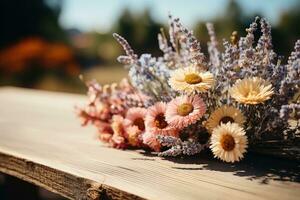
46	44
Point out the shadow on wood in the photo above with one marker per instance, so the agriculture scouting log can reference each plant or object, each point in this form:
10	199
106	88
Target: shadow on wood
262	168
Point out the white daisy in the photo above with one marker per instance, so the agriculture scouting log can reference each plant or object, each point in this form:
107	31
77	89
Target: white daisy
229	142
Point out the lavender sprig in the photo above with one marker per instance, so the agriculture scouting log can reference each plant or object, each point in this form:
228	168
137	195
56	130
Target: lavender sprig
179	147
127	48
193	46
213	51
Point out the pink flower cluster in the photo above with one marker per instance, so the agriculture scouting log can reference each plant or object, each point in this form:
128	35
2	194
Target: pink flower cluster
123	121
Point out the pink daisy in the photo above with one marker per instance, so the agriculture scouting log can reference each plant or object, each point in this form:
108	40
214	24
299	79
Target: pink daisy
105	137
103	127
156	122
135	117
104	130
150	140
185	110
134	124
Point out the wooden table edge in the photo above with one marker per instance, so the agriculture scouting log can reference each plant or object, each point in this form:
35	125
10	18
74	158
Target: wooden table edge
65	184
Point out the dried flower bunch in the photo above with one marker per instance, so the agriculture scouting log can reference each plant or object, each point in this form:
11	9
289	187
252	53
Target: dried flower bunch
184	102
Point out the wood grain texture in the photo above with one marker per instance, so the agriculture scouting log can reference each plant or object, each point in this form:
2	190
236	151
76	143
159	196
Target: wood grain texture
42	142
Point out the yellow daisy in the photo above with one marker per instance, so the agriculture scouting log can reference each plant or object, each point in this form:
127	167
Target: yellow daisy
229	142
253	90
190	79
224	115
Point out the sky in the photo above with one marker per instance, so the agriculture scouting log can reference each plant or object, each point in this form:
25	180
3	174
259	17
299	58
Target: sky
100	15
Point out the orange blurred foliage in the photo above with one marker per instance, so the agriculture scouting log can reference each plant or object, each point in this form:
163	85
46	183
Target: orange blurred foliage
39	53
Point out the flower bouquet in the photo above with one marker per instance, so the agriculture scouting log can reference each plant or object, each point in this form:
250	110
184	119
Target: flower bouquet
183	102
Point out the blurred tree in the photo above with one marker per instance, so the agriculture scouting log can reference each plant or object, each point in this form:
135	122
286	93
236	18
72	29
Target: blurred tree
140	30
20	19
33	44
284	34
232	19
125	26
287	31
27	61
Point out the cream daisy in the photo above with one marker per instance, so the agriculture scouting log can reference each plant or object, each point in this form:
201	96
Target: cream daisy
156	121
185	110
190	79
253	90
229	142
224	115
134	136
135	117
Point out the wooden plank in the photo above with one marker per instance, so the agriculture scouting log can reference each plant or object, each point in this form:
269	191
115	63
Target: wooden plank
42	142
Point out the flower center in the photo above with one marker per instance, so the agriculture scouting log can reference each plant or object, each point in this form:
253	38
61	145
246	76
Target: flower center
139	122
185	109
192	78
252	93
227	142
226	119
160	121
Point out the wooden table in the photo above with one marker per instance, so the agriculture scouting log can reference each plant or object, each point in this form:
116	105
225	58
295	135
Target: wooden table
42	142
